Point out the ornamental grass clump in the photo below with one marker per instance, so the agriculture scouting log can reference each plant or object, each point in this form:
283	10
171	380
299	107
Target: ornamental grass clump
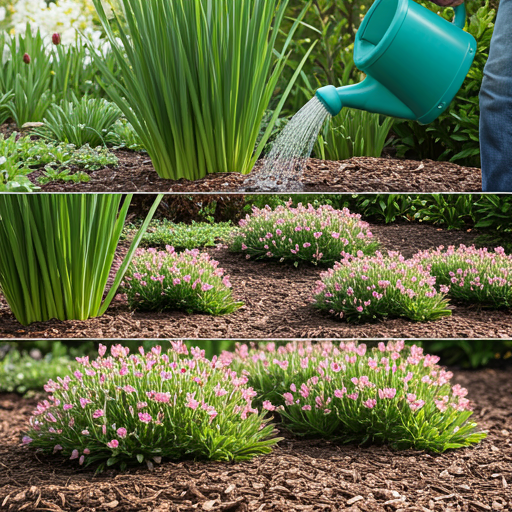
468	274
168	280
56	253
314	235
126	409
390	394
363	288
196	78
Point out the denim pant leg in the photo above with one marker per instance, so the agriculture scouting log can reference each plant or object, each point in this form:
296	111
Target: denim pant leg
496	107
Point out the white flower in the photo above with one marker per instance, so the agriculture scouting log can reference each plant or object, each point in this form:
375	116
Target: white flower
2	160
3	12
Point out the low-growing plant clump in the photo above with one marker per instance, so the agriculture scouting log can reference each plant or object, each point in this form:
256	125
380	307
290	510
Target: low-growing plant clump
187	236
365	288
391	394
314	235
476	276
168	280
21	155
126	409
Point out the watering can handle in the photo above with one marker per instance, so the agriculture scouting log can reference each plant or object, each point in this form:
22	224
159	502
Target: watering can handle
460	16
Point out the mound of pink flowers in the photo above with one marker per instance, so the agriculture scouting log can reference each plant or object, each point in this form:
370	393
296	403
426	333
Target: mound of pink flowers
391	393
123	409
364	288
305	233
472	275
190	280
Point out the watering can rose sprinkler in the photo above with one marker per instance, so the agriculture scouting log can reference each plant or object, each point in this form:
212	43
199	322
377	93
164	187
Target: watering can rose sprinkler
415	62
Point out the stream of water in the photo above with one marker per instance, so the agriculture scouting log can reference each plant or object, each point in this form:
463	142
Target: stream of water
284	166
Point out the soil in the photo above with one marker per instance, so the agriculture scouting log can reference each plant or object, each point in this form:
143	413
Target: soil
300	475
135	173
277	305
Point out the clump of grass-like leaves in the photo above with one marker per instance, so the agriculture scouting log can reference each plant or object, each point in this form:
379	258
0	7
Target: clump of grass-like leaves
190	281
391	394
365	288
80	121
56	253
196	78
315	235
126	409
468	274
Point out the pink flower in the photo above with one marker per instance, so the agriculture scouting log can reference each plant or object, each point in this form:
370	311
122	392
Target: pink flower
268	406
353	396
339	393
191	401
26	440
98	413
370	403
74	455
306	407
102	350
416	405
113	444
84	402
206	287
145	417
304	391
288	397
87	451
67	407
129	389
335	367
162	397
57	448
387	393
81	460
122	432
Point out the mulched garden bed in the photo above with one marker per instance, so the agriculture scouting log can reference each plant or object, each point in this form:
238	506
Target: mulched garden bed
300	475
135	173
277	305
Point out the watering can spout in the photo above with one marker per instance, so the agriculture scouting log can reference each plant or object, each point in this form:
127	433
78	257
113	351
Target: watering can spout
369	95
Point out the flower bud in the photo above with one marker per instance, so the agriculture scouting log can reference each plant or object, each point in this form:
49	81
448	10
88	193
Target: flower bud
26	58
56	39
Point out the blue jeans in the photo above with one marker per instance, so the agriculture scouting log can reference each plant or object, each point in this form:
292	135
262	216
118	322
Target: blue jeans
496	107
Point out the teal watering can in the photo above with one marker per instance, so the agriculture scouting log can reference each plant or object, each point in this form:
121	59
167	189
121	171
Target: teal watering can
415	62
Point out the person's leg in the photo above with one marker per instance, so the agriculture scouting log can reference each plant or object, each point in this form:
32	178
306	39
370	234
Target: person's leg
496	107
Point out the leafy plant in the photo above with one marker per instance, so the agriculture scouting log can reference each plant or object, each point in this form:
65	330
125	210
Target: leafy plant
185	236
470	353
56	252
392	394
363	289
190	281
353	133
123	135
126	410
303	234
454	211
80	121
26	74
198	76
472	275
19	372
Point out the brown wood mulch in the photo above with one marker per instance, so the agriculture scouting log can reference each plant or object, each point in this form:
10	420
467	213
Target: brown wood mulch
300	475
277	305
135	173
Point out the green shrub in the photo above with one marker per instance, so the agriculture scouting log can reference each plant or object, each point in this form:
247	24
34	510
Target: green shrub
190	281
186	236
126	410
475	276
470	353
316	236
197	79
19	372
80	121
391	394
364	288
56	253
